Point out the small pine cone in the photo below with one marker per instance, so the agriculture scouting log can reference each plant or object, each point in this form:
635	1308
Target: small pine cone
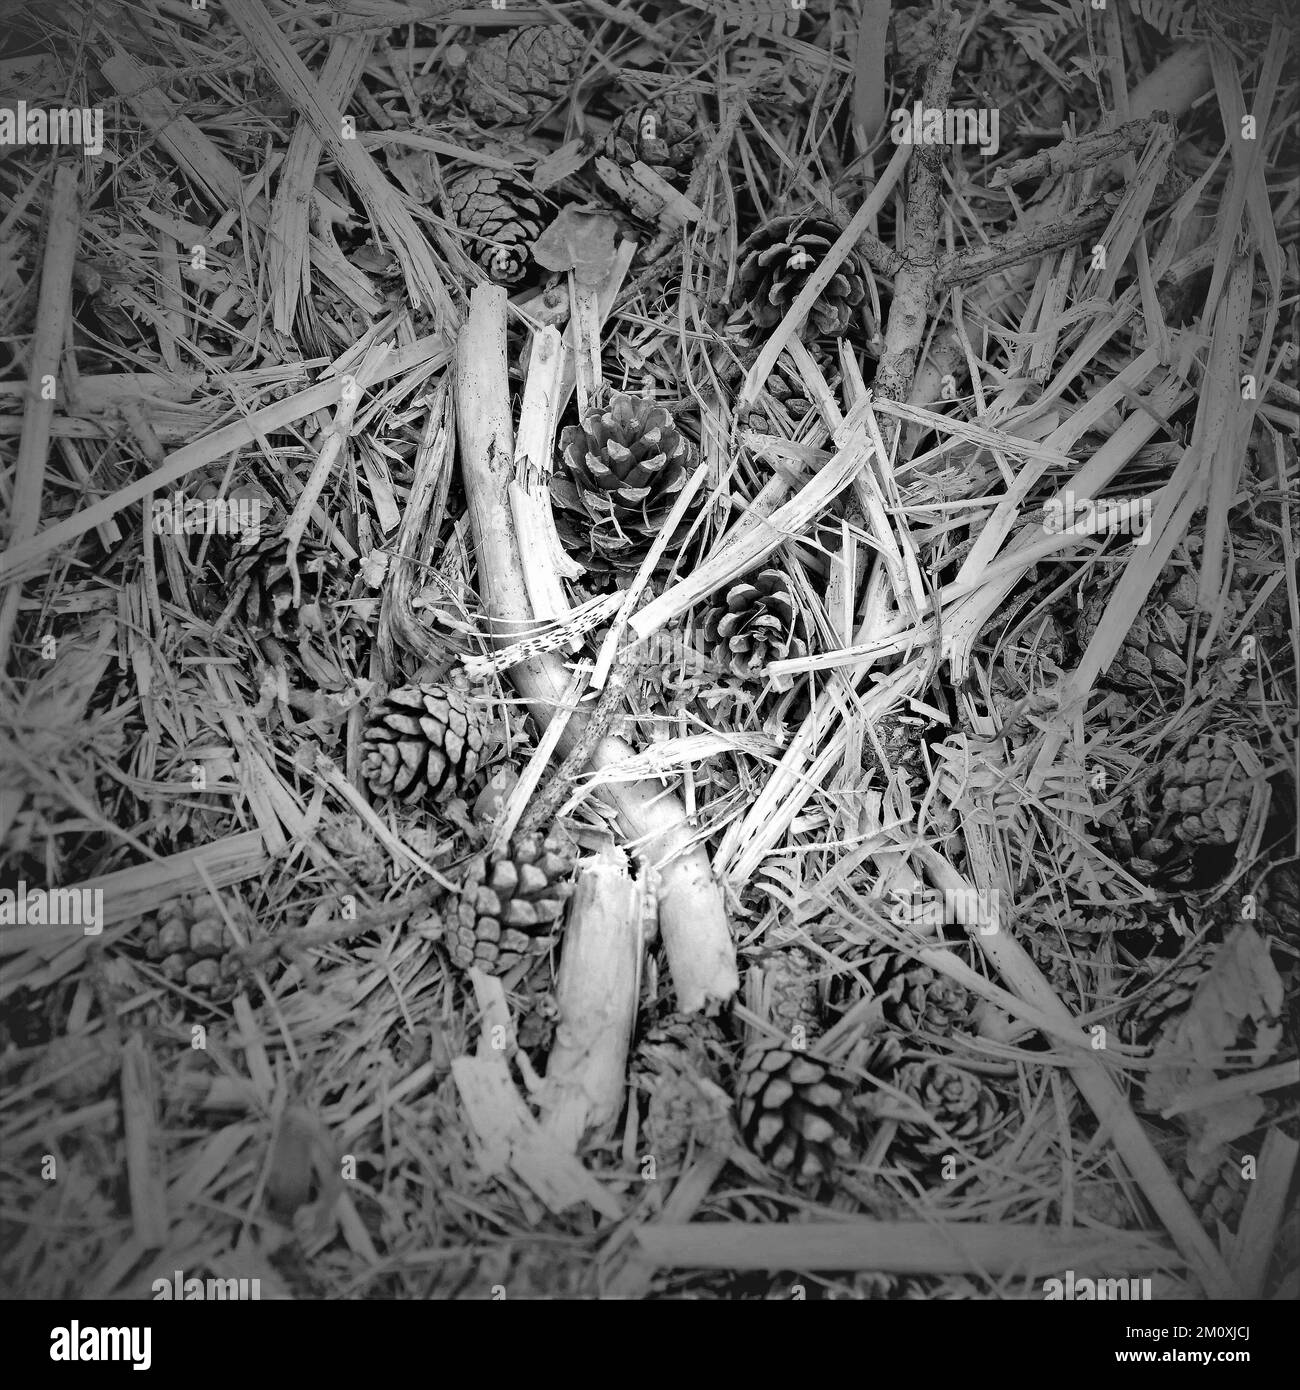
421	741
521	74
776	261
677	1068
662	134
913	996
1128	835
502	215
618	477
755	623
1206	794
1152	652
785	390
956	1100
193	946
509	905
259	585
1219	1197
795	1111
1073	945
1162	991
786	994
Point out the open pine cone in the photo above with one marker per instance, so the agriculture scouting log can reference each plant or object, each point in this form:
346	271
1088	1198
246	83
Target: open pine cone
422	740
914	997
619	475
502	216
1153	650
260	587
775	263
509	905
755	623
795	1110
956	1100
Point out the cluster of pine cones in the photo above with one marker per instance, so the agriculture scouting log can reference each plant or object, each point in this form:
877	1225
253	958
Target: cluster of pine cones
810	1117
425	744
518	78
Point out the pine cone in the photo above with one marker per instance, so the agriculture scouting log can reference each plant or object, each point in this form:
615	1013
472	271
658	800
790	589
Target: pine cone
662	134
1205	796
755	623
502	215
193	946
1128	835
509	905
1162	991
795	1111
785	390
422	741
1073	945
522	74
619	476
677	1068
914	997
1152	653
778	259
259	584
958	1101
1219	1197
785	991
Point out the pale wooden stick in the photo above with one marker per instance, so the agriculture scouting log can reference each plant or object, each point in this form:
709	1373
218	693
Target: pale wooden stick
131	892
508	1135
530	502
693	919
597	996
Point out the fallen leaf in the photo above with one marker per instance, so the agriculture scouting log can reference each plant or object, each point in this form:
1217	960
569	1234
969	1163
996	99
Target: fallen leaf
560	164
579	241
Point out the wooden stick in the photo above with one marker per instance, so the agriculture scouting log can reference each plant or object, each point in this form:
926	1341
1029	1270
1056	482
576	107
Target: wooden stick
597	993
693	919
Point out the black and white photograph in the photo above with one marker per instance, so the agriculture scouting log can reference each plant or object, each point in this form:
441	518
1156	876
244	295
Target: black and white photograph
649	653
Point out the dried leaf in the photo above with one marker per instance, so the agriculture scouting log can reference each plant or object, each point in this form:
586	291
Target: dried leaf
579	241
1236	1007
560	164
